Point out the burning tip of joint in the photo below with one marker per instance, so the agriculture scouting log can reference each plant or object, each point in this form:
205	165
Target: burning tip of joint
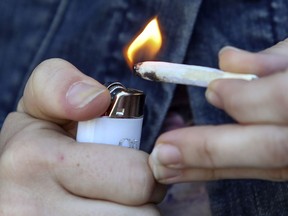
136	68
148	75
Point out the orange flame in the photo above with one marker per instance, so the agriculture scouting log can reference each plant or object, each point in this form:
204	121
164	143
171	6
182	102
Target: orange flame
146	45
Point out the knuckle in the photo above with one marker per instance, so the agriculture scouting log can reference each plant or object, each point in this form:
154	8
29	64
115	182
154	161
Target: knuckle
22	156
17	158
5	132
208	152
13	124
278	146
280	95
47	73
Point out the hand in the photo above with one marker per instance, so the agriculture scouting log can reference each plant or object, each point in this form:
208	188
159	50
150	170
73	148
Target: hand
43	171
257	147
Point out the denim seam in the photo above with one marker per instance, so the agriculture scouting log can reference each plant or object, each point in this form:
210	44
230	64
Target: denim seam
185	57
256	199
272	23
44	44
116	39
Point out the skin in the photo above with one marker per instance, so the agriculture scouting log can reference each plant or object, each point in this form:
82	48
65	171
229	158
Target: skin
44	171
256	147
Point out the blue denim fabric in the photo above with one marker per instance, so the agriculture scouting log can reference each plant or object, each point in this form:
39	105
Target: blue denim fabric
91	35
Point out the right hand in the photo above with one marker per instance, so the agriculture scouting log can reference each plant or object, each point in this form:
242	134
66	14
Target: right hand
44	171
254	148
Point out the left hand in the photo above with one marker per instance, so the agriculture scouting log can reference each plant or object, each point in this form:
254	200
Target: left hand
257	147
44	171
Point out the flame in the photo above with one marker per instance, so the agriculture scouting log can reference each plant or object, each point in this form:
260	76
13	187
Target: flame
146	45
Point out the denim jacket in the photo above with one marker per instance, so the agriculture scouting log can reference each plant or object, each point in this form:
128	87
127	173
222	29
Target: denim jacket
91	35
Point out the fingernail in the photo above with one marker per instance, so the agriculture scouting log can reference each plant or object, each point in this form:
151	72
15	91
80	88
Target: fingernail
162	173
212	97
166	161
226	48
82	93
166	155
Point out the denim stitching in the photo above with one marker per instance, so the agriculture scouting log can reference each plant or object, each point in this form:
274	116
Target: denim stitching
44	44
272	18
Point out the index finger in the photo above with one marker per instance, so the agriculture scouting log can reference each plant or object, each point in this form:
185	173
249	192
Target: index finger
226	146
261	63
262	101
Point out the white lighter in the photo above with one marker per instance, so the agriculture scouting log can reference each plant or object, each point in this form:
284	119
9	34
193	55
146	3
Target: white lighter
122	122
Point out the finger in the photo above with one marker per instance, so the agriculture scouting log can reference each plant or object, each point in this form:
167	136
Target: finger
80	206
260	101
108	173
52	200
13	124
57	91
262	63
168	175
218	147
94	171
103	172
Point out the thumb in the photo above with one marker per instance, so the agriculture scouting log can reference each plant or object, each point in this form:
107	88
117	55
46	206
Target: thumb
57	91
271	60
